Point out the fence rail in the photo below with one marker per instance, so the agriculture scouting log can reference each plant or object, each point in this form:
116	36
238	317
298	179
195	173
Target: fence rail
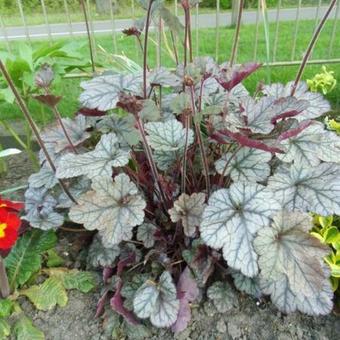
215	19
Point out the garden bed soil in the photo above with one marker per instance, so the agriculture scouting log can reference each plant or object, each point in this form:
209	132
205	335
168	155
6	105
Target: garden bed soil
248	319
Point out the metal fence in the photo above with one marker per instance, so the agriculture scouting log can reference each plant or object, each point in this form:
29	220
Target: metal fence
216	19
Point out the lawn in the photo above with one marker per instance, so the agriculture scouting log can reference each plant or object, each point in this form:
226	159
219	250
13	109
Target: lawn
126	45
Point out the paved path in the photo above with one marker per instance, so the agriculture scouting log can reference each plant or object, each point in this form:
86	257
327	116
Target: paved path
205	21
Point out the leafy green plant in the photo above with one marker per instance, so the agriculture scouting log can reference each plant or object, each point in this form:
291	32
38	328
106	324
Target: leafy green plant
323	82
183	173
24	266
327	231
63	58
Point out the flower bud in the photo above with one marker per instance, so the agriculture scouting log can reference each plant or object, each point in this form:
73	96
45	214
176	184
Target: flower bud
44	77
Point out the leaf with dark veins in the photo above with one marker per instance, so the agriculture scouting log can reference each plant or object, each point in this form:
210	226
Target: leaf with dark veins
168	135
223	296
317	104
157	301
113	208
45	178
247	165
40	209
311	145
102	92
231	220
188	210
54	136
291	264
309	189
123	127
288	107
146	233
98	162
164	77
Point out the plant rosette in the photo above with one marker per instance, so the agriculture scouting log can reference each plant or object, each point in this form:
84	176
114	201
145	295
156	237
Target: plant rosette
187	179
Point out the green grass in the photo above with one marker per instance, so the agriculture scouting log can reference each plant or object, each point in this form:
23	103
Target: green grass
126	45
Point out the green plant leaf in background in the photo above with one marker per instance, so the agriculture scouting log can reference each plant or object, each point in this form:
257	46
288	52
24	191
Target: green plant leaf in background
25	330
5	329
47	295
26	256
6	307
53	259
73	279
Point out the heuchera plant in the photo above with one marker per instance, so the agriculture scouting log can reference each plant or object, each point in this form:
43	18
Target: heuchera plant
182	174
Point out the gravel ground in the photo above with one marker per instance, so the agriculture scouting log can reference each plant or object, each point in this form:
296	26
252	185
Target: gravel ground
248	320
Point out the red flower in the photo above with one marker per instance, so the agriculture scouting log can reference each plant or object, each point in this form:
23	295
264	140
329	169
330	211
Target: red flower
9	227
16	206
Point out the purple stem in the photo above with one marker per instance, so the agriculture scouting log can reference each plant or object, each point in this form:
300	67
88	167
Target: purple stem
88	35
237	34
220	182
151	162
185	156
146	37
60	121
200	142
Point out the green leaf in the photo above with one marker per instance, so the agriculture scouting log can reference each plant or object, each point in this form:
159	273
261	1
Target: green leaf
25	330
47	295
325	221
82	281
5	329
47	50
223	296
331	235
73	279
335	283
6	307
7	95
26	54
16	69
25	258
54	260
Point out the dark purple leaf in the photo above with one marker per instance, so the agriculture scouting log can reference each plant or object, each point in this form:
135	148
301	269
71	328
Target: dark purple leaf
187	291
187	286
90	112
48	99
244	141
101	304
284	115
117	305
130	259
294	132
230	78
202	264
183	317
132	31
107	273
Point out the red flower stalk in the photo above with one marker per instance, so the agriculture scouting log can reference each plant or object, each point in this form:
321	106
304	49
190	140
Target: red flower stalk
9	227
